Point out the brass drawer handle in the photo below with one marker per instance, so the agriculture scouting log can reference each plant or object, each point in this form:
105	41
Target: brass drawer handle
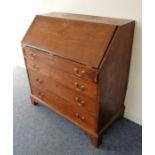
78	72
39	81
36	68
81	118
40	94
79	87
79	101
32	55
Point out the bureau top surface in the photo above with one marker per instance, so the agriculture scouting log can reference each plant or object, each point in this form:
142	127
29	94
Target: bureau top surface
88	18
80	38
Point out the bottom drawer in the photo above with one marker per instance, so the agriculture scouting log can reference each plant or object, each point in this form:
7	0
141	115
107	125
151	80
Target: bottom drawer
61	106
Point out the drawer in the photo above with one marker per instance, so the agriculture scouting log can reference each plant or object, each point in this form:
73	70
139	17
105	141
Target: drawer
76	99
81	86
76	69
61	106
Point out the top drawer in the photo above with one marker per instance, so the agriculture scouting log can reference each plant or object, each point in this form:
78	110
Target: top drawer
74	68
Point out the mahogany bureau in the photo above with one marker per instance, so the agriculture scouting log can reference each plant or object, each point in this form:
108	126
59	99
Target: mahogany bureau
78	66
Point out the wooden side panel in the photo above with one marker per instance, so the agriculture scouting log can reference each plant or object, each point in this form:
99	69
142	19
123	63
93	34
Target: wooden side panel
80	41
113	76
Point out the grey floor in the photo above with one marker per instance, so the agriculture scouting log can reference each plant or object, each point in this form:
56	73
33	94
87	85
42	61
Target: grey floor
39	131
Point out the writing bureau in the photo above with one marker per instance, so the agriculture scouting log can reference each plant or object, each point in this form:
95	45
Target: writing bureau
78	66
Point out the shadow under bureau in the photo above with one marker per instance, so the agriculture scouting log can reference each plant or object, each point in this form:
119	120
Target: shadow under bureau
78	66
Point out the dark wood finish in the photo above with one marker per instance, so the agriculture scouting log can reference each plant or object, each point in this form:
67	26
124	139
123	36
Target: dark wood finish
76	99
113	74
75	40
57	103
69	80
60	63
88	18
78	66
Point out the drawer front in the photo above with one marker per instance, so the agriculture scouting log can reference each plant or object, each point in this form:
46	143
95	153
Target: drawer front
68	66
81	86
75	98
63	107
